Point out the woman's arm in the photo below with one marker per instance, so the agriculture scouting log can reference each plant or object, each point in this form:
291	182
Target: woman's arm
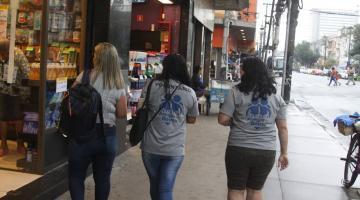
121	107
223	119
283	161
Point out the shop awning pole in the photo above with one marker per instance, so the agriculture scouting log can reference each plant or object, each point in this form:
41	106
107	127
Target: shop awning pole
14	5
224	60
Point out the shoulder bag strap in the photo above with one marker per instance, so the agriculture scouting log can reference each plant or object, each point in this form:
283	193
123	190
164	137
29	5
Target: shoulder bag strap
161	107
147	96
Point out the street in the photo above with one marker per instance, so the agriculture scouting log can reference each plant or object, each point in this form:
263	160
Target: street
325	103
330	101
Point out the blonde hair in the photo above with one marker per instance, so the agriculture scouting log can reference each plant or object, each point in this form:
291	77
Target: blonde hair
106	61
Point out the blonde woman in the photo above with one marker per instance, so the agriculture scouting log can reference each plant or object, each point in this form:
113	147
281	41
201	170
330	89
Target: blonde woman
107	79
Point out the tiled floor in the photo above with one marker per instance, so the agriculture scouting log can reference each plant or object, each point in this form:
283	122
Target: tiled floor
9	161
11	180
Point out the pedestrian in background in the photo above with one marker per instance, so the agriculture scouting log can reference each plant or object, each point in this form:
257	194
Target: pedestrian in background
252	110
13	96
351	75
107	79
333	76
164	140
197	82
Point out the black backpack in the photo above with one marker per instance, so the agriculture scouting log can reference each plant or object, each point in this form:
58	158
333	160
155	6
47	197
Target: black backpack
79	110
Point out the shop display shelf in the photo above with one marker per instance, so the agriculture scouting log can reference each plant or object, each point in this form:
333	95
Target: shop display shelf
36	83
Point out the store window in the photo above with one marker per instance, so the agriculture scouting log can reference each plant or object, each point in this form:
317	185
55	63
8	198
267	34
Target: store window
155	33
20	77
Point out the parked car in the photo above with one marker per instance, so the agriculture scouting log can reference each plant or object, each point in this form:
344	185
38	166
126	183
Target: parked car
343	73
316	71
303	70
325	72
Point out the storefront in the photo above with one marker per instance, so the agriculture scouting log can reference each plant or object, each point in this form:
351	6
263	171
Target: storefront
161	27
44	42
158	28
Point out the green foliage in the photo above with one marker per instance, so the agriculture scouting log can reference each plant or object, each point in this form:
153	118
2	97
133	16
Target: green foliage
305	55
330	63
356	42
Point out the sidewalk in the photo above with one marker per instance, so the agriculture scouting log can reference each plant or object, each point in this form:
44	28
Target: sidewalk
315	170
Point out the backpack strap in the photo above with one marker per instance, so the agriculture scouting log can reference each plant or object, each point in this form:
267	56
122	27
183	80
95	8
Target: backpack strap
86	77
101	115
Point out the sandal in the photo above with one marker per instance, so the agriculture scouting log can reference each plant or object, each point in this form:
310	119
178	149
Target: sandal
3	151
21	149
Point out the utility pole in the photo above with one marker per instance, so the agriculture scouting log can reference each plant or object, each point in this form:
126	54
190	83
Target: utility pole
224	57
264	36
270	25
293	13
325	46
350	33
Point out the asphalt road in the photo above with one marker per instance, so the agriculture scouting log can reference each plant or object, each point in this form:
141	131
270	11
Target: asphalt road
330	101
313	94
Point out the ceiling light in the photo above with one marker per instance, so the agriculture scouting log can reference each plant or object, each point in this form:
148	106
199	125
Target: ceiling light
242	30
165	1
244	39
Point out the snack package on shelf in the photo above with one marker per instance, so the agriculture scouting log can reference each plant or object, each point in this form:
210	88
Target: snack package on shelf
31	123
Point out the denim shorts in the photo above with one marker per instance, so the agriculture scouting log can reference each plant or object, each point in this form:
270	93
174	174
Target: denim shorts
248	168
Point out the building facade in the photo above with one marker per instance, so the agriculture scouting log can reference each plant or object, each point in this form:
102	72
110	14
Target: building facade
329	22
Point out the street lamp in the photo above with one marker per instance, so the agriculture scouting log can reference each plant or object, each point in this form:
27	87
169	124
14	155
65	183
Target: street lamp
349	29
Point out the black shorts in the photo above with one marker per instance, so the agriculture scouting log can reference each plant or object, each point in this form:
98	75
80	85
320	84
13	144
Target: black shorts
248	168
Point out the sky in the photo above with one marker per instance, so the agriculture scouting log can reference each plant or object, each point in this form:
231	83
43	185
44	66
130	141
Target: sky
303	31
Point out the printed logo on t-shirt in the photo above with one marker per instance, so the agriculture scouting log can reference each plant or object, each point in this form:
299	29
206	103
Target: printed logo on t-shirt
171	109
257	112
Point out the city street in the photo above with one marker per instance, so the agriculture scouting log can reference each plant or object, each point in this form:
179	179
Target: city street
330	101
325	103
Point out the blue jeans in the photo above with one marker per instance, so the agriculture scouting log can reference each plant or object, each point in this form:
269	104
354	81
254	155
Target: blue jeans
162	171
101	152
333	78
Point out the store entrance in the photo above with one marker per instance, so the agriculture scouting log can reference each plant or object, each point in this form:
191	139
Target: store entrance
155	33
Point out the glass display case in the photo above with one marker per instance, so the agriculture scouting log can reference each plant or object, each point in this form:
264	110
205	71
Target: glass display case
44	42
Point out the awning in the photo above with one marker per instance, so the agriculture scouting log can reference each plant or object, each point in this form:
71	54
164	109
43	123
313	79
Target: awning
231	4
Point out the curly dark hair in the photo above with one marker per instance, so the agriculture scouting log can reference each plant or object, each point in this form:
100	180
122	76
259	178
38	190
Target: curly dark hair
174	67
256	78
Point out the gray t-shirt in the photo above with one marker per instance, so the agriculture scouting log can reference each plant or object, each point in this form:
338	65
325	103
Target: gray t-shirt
109	98
253	121
166	133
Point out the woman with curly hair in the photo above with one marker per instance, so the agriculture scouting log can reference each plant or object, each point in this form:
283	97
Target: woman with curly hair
253	110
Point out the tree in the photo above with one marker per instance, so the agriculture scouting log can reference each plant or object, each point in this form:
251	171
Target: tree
305	55
330	62
355	50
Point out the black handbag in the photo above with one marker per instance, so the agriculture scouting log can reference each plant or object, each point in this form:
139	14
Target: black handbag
140	122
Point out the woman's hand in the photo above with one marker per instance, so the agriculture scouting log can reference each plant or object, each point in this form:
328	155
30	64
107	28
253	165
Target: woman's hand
283	161
224	120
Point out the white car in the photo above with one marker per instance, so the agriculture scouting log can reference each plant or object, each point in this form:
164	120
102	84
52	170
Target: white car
303	70
343	73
